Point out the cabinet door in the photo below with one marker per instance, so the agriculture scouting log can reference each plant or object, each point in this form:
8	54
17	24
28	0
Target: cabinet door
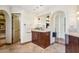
73	45
47	38
41	39
34	36
44	39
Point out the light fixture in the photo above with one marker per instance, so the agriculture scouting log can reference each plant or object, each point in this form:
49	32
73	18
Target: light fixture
78	12
77	18
47	18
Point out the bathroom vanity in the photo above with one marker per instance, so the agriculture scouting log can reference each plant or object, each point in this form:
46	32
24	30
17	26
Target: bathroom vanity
41	31
41	38
73	43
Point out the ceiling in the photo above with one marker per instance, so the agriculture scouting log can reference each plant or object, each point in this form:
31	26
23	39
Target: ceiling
37	9
33	8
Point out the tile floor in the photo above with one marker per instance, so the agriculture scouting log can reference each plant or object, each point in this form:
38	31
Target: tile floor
32	48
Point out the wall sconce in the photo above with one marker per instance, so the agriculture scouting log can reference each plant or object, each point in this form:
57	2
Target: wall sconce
77	18
77	12
77	15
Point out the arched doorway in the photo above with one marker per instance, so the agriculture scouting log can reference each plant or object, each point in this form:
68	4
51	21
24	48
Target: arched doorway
3	33
59	20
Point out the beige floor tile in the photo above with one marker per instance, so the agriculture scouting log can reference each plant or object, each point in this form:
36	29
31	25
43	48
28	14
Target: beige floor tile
32	48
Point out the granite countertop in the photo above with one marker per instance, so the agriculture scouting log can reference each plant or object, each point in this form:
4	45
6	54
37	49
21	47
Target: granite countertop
46	30
76	34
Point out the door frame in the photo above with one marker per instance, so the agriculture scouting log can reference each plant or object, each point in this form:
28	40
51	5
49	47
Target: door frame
54	26
64	29
12	24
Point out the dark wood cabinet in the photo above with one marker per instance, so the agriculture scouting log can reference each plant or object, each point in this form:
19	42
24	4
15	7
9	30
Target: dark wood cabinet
73	45
41	38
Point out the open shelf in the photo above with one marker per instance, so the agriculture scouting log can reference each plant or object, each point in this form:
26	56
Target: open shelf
2	29
2	23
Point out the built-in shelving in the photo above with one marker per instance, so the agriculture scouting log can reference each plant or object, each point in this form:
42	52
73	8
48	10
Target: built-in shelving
2	22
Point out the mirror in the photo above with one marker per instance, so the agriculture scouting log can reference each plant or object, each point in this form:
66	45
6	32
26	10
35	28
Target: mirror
42	21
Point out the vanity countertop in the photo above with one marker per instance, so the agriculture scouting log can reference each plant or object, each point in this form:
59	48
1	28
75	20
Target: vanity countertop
76	34
41	30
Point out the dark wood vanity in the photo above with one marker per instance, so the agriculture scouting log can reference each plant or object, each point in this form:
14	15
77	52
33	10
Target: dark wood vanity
73	45
41	38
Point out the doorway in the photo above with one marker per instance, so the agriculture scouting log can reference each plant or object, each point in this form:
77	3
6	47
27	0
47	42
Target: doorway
15	27
60	26
2	28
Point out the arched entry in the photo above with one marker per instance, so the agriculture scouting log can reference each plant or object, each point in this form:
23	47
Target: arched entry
59	19
3	18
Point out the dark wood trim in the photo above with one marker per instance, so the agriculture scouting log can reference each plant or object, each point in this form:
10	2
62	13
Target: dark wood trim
2	14
8	43
2	38
12	27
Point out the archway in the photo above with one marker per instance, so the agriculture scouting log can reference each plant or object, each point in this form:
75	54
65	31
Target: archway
59	26
3	28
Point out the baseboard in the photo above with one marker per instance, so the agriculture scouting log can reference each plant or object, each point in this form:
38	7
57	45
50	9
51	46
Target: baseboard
1	38
15	42
8	43
52	43
60	41
25	42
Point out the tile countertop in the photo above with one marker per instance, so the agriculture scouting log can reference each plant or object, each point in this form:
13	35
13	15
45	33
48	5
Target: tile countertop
76	34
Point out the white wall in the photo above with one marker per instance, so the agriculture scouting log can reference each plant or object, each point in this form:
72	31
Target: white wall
70	16
26	22
26	25
10	10
26	19
69	13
